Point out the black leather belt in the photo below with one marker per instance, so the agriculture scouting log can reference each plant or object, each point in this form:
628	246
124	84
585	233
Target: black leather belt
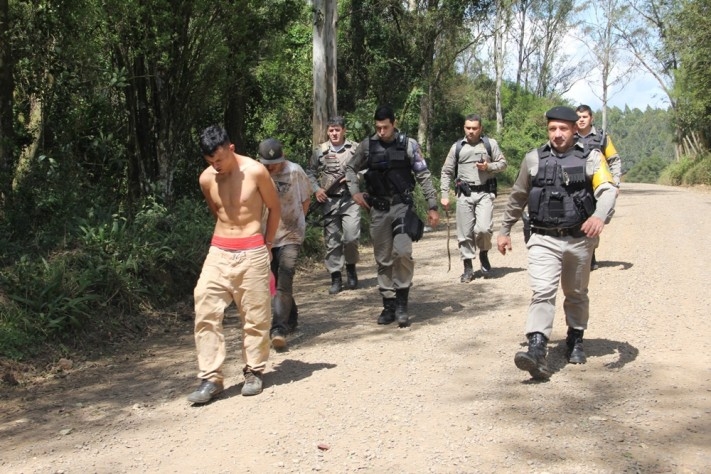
478	188
558	232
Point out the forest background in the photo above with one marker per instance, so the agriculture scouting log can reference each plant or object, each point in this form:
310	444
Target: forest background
103	228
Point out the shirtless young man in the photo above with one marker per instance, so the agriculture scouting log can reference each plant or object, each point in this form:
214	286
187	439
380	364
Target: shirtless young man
236	188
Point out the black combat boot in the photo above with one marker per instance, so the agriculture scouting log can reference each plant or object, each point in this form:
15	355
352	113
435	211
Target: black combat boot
401	296
468	274
387	316
352	280
485	265
336	283
574	341
534	360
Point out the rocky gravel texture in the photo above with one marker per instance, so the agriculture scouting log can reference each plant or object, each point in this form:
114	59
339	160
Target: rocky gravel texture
441	396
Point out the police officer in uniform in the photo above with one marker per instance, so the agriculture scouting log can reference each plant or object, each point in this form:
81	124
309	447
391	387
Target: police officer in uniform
472	163
341	224
570	195
393	164
598	139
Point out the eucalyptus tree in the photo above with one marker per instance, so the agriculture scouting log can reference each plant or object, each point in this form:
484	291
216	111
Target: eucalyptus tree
601	30
553	72
502	23
7	87
650	36
523	32
324	67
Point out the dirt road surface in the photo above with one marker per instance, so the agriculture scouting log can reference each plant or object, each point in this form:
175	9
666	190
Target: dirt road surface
442	396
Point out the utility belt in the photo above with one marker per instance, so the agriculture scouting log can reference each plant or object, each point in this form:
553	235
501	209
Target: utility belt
382	203
574	232
462	187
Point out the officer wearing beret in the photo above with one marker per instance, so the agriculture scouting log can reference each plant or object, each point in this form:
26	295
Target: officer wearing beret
570	195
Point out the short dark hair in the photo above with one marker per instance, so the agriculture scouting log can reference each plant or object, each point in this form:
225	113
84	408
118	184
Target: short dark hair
336	121
212	138
384	112
473	118
584	108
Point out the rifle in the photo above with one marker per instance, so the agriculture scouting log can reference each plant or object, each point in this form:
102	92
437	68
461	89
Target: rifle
316	206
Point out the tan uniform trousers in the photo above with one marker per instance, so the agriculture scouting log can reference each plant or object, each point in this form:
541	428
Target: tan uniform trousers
393	254
242	277
475	223
341	232
554	260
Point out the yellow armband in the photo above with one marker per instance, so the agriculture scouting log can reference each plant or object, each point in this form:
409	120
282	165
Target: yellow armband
610	149
602	175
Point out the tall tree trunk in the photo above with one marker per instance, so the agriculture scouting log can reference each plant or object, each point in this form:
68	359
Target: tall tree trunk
35	128
235	116
324	67
423	126
499	39
7	87
523	54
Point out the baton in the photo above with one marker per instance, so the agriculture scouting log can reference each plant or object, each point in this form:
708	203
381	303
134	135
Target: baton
449	255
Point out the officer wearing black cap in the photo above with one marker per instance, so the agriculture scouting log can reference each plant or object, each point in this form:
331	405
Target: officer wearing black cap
570	195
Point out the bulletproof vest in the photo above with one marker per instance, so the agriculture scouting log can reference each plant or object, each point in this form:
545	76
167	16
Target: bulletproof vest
598	141
561	196
332	170
392	164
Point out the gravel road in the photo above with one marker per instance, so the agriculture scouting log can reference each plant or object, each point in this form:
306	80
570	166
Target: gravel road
441	396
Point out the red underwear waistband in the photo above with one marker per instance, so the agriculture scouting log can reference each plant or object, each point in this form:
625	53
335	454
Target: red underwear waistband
238	243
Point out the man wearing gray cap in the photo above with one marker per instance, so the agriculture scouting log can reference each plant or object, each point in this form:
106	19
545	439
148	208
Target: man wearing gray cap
294	192
570	195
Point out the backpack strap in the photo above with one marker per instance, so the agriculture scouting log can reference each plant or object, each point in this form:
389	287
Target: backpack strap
460	145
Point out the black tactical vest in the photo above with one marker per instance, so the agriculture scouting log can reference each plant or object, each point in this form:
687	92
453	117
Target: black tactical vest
392	164
561	196
598	141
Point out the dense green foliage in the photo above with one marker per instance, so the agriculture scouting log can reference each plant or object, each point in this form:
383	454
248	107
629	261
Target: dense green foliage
691	37
644	140
101	219
688	171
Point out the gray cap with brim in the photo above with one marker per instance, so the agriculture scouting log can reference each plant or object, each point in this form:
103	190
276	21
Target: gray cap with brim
270	152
